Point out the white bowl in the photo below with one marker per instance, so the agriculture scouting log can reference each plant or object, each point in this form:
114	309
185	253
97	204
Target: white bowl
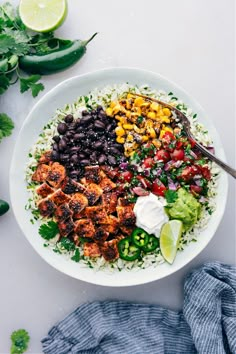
67	92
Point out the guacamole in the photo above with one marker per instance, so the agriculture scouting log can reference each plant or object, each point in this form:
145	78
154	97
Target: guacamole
185	208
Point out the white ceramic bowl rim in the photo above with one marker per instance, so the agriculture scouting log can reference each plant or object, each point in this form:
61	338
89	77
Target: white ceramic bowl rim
66	92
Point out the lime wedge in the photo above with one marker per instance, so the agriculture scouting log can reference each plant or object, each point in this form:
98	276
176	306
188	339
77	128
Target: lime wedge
43	15
169	239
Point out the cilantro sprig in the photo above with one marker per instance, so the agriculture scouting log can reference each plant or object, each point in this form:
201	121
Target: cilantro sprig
19	341
48	230
6	125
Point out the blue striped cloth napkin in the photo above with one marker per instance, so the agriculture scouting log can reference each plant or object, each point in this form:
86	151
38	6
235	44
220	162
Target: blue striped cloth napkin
206	325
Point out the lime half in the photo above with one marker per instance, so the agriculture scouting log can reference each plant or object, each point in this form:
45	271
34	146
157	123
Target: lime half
169	239
43	15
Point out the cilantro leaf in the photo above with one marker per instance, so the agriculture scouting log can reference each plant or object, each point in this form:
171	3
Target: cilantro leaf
19	36
67	244
4	83
6	125
49	230
76	257
6	43
30	83
171	196
20	341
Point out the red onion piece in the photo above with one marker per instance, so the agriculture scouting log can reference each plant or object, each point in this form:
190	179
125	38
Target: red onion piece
171	184
192	153
178	163
203	199
140	191
124	165
168	165
211	149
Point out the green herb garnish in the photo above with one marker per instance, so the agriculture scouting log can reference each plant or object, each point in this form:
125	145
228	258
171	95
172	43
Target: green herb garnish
171	196
49	230
6	125
20	341
76	257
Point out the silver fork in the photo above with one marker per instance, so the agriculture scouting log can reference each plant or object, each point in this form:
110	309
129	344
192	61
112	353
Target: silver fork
186	124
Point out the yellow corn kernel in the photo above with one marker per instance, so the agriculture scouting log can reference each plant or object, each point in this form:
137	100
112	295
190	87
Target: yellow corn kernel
119	124
165	119
128	126
162	132
154	106
138	101
119	130
137	110
113	104
151	115
149	123
145	138
156	143
116	109
128	114
109	111
139	130
120	140
129	138
166	112
130	95
160	113
168	129
123	120
128	104
151	132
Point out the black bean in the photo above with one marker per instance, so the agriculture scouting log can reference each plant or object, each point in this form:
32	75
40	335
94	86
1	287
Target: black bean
86	120
98	145
55	147
62	145
81	155
69	134
64	157
85	113
114	150
102	115
84	162
74	174
91	135
105	146
69	118
72	127
99	108
109	127
74	159
112	135
79	129
118	146
99	124
74	149
56	138
102	159
111	160
93	112
55	156
87	151
62	128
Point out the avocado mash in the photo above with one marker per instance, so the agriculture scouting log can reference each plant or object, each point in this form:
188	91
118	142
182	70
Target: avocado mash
185	208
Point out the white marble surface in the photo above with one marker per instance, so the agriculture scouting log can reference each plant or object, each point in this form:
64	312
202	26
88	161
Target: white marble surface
189	41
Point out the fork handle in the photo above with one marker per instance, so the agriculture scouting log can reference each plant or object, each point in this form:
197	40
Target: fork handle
222	164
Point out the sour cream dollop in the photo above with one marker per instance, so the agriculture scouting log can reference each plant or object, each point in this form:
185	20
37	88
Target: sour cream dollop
150	213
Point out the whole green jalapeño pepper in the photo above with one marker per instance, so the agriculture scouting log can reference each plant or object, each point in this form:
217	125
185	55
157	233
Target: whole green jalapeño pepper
127	250
56	60
140	237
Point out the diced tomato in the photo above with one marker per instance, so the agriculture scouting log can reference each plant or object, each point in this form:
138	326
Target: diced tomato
195	189
163	155
205	172
192	142
145	182
179	144
148	162
126	176
168	137
158	188
188	173
178	154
